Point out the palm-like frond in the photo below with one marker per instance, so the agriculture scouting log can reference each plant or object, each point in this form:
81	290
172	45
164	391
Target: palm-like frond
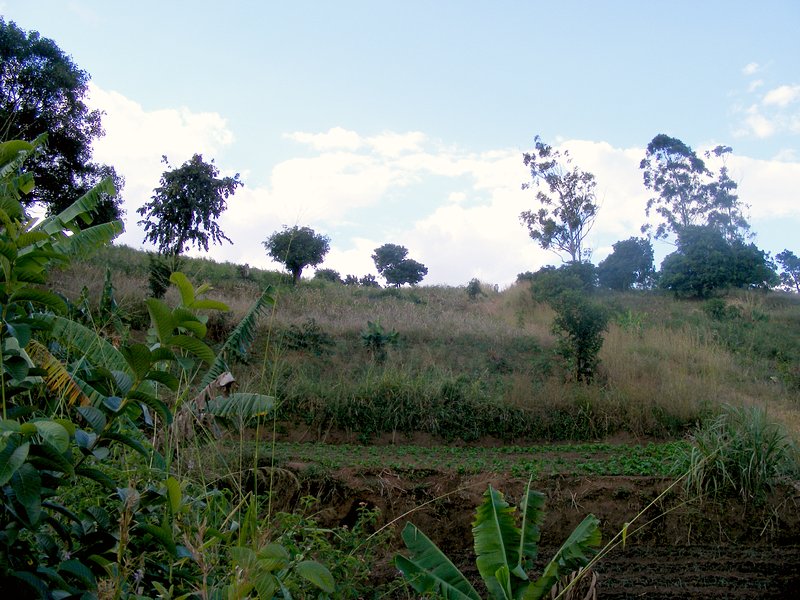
532	509
429	570
57	379
241	406
241	337
87	240
80	209
573	554
497	540
86	341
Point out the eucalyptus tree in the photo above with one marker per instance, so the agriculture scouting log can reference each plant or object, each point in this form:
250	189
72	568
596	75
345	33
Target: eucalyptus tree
687	192
567	200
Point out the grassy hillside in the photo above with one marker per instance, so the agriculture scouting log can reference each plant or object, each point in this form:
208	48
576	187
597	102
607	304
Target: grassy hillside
466	369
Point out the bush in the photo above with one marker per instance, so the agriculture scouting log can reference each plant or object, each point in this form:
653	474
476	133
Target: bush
579	325
548	283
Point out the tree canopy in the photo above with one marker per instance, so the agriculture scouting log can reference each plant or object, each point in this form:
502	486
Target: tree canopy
396	269
43	91
184	209
706	262
629	265
568	207
687	193
790	269
297	248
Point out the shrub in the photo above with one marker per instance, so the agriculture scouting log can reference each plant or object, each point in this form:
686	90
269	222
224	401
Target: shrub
548	283
579	325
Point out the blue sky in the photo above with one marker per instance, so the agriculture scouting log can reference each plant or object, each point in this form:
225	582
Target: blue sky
378	122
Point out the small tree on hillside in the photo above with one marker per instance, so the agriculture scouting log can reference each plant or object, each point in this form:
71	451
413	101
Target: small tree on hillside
297	248
629	265
184	209
790	269
568	207
392	264
182	213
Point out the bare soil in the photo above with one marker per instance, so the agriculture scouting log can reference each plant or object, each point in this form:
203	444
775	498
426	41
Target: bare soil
674	549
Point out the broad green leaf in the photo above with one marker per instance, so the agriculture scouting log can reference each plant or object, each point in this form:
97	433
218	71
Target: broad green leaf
429	570
241	405
573	554
174	494
80	209
27	486
184	286
77	569
138	357
316	574
244	558
154	403
161	319
12	457
497	538
532	509
86	241
98	476
162	534
41	297
194	346
54	434
94	417
209	304
273	557
266	585
164	378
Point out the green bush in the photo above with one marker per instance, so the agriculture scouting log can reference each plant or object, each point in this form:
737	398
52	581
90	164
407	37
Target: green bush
579	326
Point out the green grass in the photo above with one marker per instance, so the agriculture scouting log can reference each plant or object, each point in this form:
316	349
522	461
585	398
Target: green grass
519	461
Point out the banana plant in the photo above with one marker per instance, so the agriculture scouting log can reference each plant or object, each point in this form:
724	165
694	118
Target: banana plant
505	553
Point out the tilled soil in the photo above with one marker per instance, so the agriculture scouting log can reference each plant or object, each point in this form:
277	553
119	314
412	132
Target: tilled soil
675	549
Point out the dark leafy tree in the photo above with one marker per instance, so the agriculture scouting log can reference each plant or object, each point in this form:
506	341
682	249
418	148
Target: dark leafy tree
686	192
567	198
392	264
328	275
351	279
548	283
579	326
297	248
184	209
790	269
706	262
369	280
43	91
629	265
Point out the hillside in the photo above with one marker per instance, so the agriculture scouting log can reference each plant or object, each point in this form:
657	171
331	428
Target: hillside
472	393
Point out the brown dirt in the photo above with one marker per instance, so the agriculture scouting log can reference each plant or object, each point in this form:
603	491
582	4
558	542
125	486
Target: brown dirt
683	550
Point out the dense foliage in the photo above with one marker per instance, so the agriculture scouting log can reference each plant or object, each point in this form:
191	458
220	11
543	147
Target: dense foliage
392	263
706	263
43	92
184	209
297	248
629	265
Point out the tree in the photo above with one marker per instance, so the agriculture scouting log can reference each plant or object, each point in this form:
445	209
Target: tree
629	265
184	208
579	326
331	275
43	91
568	211
687	192
706	262
392	264
790	269
297	248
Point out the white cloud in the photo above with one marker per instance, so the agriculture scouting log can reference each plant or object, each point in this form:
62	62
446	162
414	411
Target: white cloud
136	139
754	85
336	138
467	227
751	68
782	96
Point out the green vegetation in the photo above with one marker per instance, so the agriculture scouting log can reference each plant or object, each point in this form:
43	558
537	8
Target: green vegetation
504	552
